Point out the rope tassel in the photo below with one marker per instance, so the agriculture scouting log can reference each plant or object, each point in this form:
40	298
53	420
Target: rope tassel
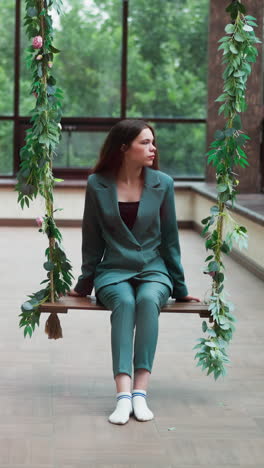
53	327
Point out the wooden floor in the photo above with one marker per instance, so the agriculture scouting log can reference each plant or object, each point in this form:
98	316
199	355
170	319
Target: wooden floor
55	396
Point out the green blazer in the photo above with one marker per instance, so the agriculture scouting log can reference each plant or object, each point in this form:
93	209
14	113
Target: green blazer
112	253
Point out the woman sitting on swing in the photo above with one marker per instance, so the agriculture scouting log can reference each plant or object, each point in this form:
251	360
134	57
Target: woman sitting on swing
131	255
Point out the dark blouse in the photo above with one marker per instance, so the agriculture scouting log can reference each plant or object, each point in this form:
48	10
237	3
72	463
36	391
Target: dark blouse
128	212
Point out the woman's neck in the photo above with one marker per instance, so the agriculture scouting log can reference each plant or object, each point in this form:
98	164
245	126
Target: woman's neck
129	175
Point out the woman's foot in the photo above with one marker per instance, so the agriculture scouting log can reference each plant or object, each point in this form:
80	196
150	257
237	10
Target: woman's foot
123	409
140	407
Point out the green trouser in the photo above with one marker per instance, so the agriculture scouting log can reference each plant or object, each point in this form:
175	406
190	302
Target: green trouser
134	304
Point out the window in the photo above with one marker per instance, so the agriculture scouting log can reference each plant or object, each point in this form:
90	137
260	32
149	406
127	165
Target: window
119	59
7	27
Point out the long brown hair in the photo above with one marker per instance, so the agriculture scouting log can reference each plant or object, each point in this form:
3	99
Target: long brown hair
123	133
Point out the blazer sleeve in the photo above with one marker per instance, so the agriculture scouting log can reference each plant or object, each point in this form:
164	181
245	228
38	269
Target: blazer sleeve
93	244
170	247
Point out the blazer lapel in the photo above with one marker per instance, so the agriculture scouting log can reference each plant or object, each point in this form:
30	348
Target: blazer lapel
147	210
150	200
107	195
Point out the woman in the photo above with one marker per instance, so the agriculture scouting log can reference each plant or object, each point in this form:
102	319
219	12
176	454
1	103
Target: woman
131	255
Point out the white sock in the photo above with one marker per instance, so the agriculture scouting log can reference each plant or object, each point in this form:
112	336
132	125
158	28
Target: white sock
123	409
140	407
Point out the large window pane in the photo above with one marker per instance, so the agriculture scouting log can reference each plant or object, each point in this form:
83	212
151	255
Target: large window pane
26	100
88	34
7	43
181	149
6	147
167	58
79	149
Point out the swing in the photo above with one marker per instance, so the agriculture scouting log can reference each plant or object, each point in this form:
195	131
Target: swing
59	276
35	177
90	303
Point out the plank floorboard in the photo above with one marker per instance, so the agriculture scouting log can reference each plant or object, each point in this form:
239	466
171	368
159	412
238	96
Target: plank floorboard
55	396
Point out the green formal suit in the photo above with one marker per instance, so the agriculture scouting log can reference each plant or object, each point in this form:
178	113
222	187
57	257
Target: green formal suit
112	253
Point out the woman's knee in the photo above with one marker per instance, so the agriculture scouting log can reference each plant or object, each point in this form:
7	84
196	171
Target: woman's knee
152	297
114	298
124	302
148	299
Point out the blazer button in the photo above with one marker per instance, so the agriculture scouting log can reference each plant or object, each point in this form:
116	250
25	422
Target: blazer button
138	248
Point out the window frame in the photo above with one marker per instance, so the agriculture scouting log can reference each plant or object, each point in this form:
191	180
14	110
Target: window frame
81	123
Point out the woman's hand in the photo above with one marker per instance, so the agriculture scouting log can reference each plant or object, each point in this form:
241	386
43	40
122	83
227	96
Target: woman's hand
73	293
188	299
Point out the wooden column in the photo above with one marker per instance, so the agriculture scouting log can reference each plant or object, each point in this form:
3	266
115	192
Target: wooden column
250	178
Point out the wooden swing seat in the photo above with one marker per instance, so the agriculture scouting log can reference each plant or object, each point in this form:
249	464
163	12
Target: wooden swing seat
90	303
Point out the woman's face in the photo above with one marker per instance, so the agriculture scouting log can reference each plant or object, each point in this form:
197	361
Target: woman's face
141	151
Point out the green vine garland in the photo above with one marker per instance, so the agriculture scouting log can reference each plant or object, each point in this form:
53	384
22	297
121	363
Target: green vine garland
35	174
226	152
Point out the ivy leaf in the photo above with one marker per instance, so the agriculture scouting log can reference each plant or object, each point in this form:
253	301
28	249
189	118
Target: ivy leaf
27	189
44	140
213	266
221	109
225	248
51	80
248	17
219	135
248	28
237	124
230	28
243	229
233	49
221	188
209	258
241	8
210	344
229	132
224	197
49	266
224	39
221	98
239	73
211	332
40	71
238	37
233	9
205	220
32	12
206	228
51	90
214	210
219	277
208	244
40	295
54	50
27	306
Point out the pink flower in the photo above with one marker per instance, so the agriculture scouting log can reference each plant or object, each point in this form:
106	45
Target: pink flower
210	273
50	64
39	57
37	42
39	221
